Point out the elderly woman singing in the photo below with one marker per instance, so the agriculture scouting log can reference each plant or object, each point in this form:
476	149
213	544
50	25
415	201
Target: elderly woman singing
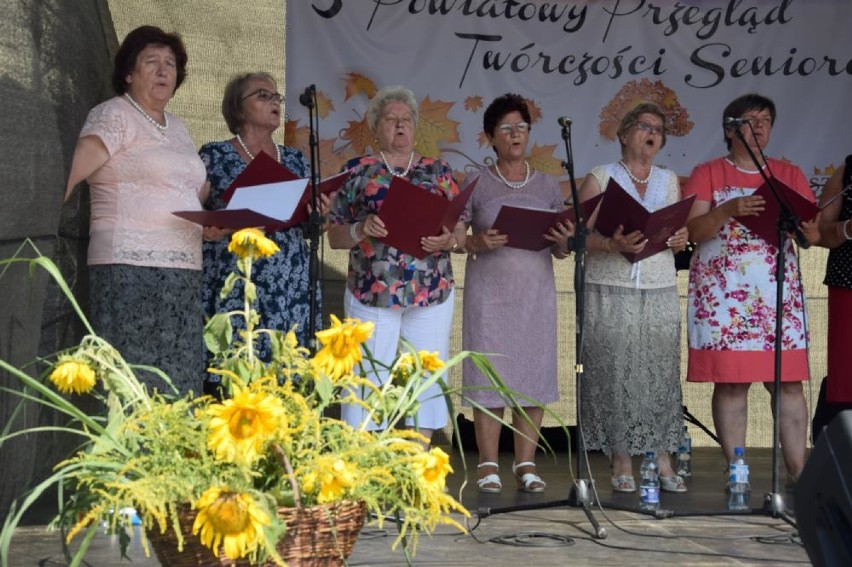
407	298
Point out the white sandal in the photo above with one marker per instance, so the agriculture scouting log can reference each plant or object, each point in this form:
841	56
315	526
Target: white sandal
528	482
490	482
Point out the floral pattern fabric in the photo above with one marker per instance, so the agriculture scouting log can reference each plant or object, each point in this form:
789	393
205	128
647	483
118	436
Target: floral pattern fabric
282	280
380	275
732	288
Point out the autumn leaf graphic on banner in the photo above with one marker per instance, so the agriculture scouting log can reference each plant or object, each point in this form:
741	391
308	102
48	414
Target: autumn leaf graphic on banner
483	140
635	92
473	103
324	105
435	126
359	135
542	159
296	136
535	111
357	84
332	161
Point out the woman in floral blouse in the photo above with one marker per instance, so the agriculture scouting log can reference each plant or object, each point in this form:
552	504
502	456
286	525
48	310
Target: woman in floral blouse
731	309
406	297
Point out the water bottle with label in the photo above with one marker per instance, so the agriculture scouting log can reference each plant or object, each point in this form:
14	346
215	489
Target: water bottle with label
683	466
687	444
738	482
649	484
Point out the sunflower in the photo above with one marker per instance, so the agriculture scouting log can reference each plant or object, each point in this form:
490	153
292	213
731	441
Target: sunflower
239	426
73	376
433	466
332	474
252	242
231	519
341	349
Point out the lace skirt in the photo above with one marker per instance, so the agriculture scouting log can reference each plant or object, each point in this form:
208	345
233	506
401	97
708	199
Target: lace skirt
631	396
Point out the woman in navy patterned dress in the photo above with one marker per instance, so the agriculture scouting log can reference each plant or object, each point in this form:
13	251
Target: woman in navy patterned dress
251	106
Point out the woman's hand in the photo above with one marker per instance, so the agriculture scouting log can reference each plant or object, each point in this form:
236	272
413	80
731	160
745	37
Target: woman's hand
325	208
374	227
444	242
632	243
488	240
678	240
214	233
810	230
751	205
560	234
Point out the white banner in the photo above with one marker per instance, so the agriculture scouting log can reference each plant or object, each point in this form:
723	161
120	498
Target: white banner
590	61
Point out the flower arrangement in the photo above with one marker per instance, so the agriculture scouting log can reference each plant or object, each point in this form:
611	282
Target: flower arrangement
268	444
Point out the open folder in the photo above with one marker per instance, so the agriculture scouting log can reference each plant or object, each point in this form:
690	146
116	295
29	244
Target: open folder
620	208
526	226
765	225
411	213
265	194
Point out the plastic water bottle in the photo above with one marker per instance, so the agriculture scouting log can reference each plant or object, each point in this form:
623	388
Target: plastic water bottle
687	444
649	484
738	481
683	466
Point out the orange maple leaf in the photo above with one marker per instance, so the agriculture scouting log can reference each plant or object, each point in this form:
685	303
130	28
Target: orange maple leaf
542	159
331	160
473	103
483	140
356	84
535	111
324	105
359	135
296	136
435	126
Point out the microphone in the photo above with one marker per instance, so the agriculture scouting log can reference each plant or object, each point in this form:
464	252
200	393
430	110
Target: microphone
564	121
307	97
731	122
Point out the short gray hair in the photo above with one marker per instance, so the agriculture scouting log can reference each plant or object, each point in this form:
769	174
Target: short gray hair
396	93
235	92
630	119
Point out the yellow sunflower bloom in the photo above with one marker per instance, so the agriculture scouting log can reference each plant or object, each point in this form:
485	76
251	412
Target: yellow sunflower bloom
240	426
331	475
231	519
341	349
430	361
434	467
73	376
251	242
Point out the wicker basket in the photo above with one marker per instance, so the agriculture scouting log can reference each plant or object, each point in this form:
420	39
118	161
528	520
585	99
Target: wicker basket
319	536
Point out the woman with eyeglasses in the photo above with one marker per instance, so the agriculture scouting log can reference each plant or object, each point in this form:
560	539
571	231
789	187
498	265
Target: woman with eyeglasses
251	106
631	399
510	299
731	303
144	262
406	297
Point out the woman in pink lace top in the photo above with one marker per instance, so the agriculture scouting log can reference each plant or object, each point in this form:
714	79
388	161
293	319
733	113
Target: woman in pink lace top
144	262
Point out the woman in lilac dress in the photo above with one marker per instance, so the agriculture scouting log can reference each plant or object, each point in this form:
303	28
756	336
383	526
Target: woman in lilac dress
510	298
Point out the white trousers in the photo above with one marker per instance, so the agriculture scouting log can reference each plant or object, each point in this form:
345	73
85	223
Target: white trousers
426	328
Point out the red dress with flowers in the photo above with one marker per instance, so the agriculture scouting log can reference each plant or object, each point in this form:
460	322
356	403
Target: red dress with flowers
731	304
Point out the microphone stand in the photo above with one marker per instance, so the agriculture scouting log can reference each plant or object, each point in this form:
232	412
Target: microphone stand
308	99
773	503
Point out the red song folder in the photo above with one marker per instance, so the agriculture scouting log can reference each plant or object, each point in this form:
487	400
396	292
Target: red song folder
620	208
525	226
411	213
261	170
765	225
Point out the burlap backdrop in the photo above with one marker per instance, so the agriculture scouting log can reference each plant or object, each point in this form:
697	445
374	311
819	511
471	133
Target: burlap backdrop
56	65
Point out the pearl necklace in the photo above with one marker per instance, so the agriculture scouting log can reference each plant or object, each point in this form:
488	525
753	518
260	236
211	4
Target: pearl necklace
633	177
510	184
251	155
392	170
161	127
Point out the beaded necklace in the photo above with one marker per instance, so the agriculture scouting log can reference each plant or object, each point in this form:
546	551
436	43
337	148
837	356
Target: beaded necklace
161	127
392	170
251	155
633	177
514	185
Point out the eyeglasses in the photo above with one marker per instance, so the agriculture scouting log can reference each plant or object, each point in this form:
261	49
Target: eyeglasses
520	127
266	96
755	120
403	120
646	127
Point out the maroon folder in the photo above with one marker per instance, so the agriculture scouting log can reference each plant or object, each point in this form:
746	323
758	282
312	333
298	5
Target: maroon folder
765	225
620	208
411	213
261	170
526	226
